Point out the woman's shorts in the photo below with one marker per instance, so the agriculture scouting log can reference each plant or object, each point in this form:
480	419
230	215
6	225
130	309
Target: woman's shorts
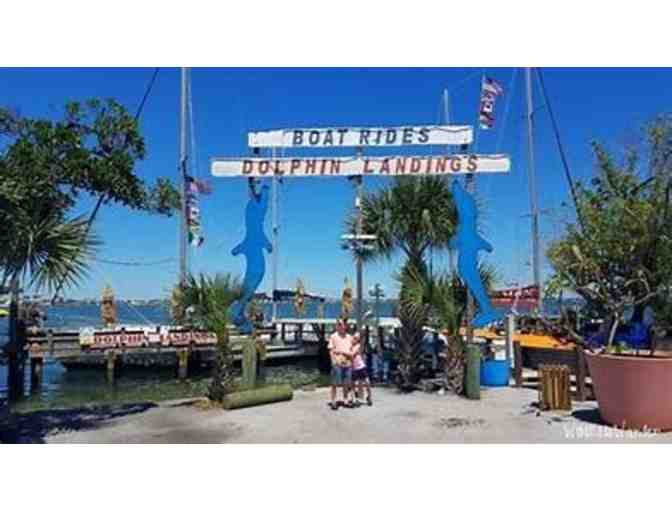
360	375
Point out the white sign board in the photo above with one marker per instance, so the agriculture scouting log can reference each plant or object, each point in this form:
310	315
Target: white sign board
362	137
347	166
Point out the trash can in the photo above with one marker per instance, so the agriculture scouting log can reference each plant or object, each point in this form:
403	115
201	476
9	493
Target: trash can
495	372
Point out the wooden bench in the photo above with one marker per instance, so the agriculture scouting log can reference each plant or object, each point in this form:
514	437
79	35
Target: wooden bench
532	357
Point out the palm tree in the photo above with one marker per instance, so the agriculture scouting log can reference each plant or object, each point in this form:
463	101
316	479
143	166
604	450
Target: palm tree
438	301
409	215
204	302
41	249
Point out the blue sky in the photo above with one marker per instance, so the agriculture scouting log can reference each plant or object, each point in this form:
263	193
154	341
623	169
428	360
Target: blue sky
604	104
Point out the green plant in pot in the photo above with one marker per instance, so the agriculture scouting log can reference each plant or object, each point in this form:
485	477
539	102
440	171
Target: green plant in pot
617	256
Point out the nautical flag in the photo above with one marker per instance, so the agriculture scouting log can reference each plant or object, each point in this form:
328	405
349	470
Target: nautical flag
193	188
490	91
191	184
193	213
203	187
197	186
195	238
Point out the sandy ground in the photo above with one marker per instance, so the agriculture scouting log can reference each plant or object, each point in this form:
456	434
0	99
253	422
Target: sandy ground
505	415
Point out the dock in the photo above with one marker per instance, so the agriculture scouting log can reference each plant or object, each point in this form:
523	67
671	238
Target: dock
151	346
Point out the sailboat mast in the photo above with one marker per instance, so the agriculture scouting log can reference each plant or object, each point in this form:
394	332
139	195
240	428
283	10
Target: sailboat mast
182	171
446	119
536	257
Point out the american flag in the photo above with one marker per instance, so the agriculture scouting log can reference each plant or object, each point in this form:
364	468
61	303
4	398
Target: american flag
490	91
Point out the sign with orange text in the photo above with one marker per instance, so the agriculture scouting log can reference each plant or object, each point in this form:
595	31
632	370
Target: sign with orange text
384	166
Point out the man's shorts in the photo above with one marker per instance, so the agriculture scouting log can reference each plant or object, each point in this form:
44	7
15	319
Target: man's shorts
341	375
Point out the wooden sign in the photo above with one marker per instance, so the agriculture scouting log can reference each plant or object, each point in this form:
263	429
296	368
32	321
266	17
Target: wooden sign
523	296
384	166
362	137
143	337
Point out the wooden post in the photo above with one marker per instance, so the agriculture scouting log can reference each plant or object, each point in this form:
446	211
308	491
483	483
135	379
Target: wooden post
518	363
324	361
15	376
261	349
111	363
182	364
16	352
36	367
580	374
249	364
472	386
283	333
554	387
50	341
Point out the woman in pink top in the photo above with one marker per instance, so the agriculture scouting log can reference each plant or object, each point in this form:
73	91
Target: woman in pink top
360	376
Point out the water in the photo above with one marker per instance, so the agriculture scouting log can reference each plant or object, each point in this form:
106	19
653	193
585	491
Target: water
70	388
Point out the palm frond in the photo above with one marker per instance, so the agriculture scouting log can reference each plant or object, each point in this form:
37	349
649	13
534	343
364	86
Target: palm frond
47	250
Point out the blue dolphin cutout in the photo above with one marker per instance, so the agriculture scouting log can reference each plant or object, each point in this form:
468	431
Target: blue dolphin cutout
468	243
252	248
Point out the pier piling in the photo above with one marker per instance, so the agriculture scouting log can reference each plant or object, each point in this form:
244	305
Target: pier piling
182	364
111	364
36	368
249	364
472	386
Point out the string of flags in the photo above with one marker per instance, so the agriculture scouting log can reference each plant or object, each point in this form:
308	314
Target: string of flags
194	188
490	91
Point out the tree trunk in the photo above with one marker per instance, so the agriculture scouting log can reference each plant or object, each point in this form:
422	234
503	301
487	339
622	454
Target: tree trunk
612	331
17	338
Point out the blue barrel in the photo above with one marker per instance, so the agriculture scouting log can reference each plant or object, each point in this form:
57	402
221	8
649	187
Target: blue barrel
495	372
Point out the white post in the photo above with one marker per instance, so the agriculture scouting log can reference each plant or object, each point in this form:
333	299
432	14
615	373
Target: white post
446	118
510	331
182	170
274	212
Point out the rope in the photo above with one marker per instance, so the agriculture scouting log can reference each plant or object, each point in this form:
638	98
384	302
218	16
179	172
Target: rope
503	125
561	149
507	107
132	263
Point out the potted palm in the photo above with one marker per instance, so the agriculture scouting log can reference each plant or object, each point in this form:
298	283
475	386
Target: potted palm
618	257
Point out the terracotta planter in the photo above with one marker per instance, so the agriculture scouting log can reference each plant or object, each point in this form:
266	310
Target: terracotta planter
633	392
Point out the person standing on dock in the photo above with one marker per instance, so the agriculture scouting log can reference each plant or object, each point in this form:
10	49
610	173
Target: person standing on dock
340	351
360	375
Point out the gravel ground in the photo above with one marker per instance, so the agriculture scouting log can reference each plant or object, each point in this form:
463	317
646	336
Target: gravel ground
504	415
